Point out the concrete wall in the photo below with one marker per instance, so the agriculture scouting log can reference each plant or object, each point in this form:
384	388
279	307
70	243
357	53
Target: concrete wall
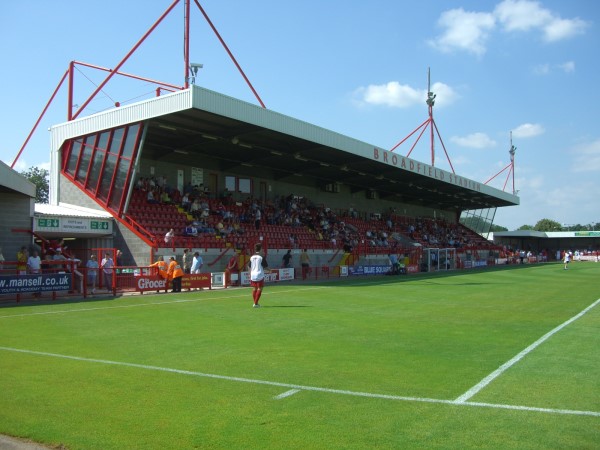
71	194
17	213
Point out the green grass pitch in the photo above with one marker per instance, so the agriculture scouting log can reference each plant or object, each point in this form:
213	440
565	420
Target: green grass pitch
501	358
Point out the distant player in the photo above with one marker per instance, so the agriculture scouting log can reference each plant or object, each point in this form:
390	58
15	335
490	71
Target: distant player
257	273
567	259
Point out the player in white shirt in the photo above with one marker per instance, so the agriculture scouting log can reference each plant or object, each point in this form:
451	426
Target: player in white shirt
258	263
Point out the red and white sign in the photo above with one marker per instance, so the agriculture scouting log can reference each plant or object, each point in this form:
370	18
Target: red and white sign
156	283
270	277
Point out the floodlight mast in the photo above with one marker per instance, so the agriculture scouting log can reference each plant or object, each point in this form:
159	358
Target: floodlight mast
430	102
430	122
69	74
510	167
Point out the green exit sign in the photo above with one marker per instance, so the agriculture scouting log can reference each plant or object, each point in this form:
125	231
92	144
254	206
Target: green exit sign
48	223
96	225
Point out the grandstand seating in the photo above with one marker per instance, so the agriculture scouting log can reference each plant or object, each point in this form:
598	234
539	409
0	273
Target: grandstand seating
404	231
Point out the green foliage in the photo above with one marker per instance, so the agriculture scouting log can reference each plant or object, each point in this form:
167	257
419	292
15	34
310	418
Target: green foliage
39	177
498	228
377	363
525	227
547	225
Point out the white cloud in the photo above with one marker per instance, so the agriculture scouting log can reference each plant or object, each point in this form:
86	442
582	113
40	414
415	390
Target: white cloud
475	140
559	29
391	94
20	166
522	15
528	130
23	166
398	95
469	31
567	67
464	30
545	69
587	157
542	69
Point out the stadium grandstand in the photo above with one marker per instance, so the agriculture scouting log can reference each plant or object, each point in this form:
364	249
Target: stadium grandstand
196	169
314	188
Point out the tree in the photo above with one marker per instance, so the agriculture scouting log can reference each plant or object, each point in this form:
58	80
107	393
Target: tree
39	177
525	227
547	225
498	228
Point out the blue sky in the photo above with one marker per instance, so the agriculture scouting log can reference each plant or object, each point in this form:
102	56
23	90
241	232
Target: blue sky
355	67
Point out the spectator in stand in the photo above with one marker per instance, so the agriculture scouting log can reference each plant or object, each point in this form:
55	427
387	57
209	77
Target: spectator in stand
185	202
34	266
34	263
187	260
232	267
175	196
394	264
107	266
305	263
191	230
47	266
119	258
170	237
92	272
195	209
197	263
220	228
175	273
257	218
286	261
150	197
164	198
22	261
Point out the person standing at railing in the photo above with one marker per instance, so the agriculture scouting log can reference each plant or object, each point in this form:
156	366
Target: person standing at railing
34	266
286	261
22	261
34	263
187	260
175	273
161	267
197	263
305	263
170	236
107	266
92	272
232	267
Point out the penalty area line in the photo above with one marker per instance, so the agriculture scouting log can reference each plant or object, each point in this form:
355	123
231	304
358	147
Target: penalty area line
286	394
507	365
294	388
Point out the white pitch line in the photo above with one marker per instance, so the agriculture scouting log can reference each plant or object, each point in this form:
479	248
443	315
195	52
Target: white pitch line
286	394
500	370
307	388
136	305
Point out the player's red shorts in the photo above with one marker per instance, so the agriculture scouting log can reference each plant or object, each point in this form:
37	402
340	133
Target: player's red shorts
257	284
